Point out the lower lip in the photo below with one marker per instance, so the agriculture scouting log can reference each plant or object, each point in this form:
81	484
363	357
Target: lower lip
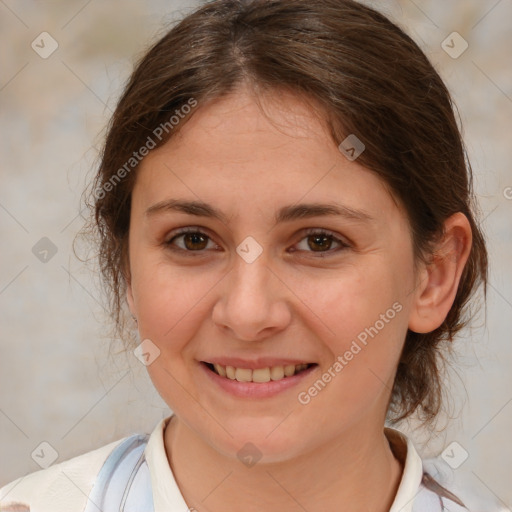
256	389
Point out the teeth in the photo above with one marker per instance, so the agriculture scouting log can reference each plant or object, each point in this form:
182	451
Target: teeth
289	370
220	370
230	372
243	375
259	374
276	372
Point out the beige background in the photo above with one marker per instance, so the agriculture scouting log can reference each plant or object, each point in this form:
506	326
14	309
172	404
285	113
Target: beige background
58	382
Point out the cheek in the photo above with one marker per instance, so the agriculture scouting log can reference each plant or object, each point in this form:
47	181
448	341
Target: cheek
169	299
348	300
360	317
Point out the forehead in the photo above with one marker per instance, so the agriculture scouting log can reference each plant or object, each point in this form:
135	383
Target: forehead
255	155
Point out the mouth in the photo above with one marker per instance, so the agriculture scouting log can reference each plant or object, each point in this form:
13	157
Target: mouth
258	375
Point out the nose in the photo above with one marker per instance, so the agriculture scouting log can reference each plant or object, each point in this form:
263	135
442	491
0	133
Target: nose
252	303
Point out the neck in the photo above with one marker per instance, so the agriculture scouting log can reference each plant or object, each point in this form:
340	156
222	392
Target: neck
334	474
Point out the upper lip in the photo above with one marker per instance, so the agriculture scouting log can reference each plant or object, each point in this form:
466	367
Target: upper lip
253	364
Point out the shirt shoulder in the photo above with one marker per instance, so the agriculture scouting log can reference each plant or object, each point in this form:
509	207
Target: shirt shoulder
63	487
458	489
431	485
432	496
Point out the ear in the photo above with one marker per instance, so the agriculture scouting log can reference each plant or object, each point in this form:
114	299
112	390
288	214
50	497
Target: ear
439	279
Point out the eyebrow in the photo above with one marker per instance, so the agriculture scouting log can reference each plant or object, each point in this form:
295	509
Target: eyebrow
285	214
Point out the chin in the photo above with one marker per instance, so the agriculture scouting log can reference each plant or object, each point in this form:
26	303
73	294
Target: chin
258	439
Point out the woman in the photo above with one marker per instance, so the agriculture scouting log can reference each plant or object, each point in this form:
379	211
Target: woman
284	206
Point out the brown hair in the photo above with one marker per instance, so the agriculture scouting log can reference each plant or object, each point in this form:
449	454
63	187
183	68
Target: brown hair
368	77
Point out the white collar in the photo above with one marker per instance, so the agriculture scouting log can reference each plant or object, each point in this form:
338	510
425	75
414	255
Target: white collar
404	450
167	495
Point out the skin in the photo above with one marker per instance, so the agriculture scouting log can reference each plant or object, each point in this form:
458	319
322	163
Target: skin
292	301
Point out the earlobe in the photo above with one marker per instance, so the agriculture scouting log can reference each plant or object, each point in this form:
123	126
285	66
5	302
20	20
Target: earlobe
439	279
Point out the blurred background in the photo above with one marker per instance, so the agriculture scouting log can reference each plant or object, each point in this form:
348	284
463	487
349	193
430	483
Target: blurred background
62	382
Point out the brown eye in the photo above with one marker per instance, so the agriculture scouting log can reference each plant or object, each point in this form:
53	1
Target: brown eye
189	241
195	241
319	242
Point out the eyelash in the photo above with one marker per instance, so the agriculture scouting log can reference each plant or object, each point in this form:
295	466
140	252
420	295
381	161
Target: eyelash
307	233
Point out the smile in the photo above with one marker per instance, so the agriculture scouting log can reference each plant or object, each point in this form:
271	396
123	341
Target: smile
258	375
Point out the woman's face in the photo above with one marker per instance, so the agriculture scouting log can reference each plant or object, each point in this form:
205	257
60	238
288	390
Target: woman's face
259	285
